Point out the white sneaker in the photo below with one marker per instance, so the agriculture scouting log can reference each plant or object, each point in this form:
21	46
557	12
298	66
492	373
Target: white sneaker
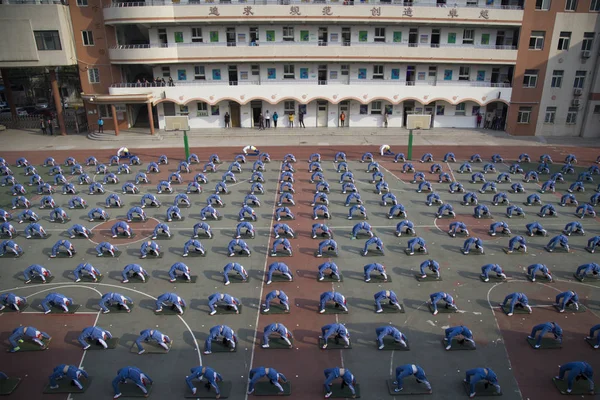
381	347
435	312
213	312
142	351
265	346
322	311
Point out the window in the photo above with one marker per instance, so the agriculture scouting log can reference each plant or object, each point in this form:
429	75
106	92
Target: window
579	79
345	69
199	73
557	77
377	71
82	3
103	111
47	40
94	75
289	71
588	41
468	36
597	109
162	35
255	69
524	115
202	109
379	35
376	107
564	40
485	38
166	72
461	109
288	33
571	5
88	38
530	78
472	3
543	5
439	110
304	36
464	73
595	5
289	107
536	40
572	116
196	35
178	37
550	115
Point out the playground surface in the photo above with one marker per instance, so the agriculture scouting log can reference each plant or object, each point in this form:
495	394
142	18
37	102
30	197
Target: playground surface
501	340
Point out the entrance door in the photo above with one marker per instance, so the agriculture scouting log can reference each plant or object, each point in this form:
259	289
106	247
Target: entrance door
430	110
323	36
321	113
408	109
435	38
323	74
345	108
234	113
410	75
233	75
230	37
256	110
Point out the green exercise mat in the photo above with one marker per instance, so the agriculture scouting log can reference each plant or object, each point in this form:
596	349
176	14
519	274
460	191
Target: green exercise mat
7	386
328	278
265	388
220	346
390	344
170	310
111	343
482	389
442	309
580	387
275	308
547	343
228	309
132	390
378	278
58	310
37	280
31	346
459	344
334	344
410	386
277	343
67	386
339	392
389	308
151	347
330	308
428	278
206	391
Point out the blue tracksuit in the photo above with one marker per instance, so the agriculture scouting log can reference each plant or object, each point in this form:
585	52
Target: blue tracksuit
258	165
409	225
229	175
284	229
362	226
458	227
215	333
57	300
48	162
93	334
559	239
347	176
535	227
194	187
89	269
288	176
277	294
279	329
58	214
208	211
11	300
444	177
567	298
252	199
287	246
516	299
534	268
576	369
214	199
500	224
418	176
286	197
9	245
237	267
576	186
477	176
286	187
152	334
135	210
585	209
418	243
26	332
105	247
332	267
481	210
346	187
20	201
152	167
71	372
123	169
514	209
210	166
433	198
489	168
257	373
353	196
339	156
369	268
95	187
149	247
387	330
593	330
314	166
385	294
134	269
246	210
46	201
281	267
123	226
110	178
389	197
424	186
437	297
324	229
470	242
173	212
230	301
320	207
69	188
113	198
517	242
336	297
357	207
214	158
478	374
62	243
130	187
486	269
407	370
237	243
489	186
135	375
193	244
433	266
221	187
141	177
170	298
202	226
445	209
397	210
181	267
366	157
332	374
77	201
465	167
470	198
592	243
5	215
588	269
329	245
476	158
517	188
212	377
454	331
376	241
500	198
503	177
338	331
161	228
182	198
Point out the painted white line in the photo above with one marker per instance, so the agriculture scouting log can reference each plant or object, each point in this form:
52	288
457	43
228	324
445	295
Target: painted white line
451	172
391	173
262	286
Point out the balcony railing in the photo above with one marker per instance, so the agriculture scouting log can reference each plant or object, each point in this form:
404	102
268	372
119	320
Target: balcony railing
35	2
319	44
401	3
352	81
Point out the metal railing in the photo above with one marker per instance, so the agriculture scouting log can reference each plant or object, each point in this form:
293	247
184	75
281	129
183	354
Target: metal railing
312	43
34	2
352	81
401	3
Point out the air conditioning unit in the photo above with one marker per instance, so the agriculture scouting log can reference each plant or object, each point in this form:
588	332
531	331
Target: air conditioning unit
586	54
575	102
577	92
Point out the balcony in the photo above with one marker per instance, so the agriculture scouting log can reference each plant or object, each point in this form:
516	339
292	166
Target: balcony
306	90
311	51
252	11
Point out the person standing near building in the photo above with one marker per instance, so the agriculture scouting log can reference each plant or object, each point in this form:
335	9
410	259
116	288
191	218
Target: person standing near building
100	125
50	126
267	119
479	118
301	120
227	119
43	125
291	119
342	119
385	119
488	121
261	122
275	118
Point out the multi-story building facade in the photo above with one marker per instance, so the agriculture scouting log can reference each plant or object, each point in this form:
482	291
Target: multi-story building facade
372	61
